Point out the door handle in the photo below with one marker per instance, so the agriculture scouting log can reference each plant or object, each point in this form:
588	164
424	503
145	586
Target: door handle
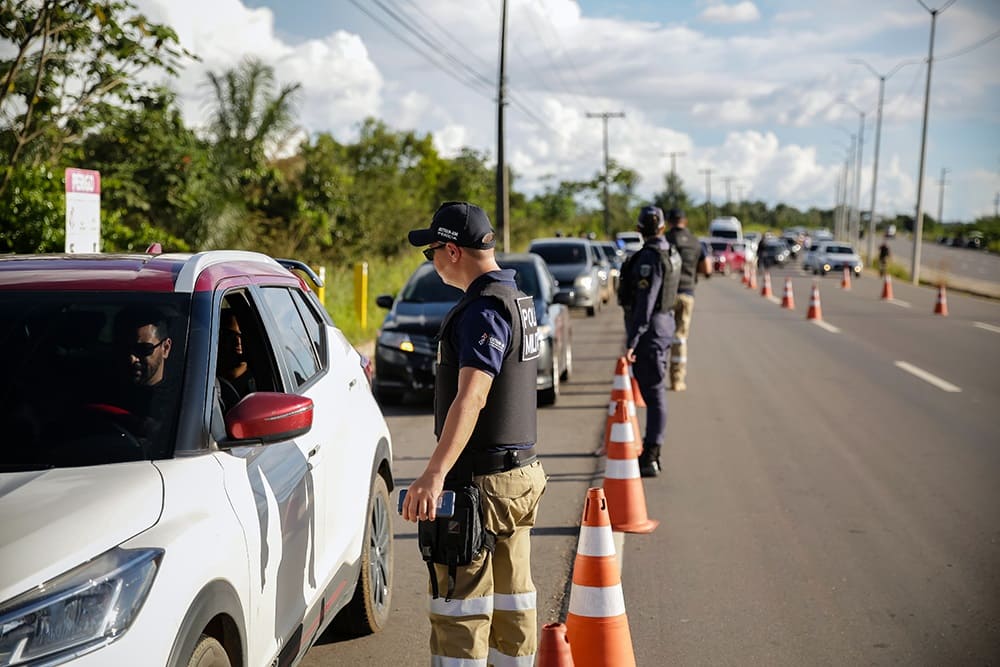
314	451
350	385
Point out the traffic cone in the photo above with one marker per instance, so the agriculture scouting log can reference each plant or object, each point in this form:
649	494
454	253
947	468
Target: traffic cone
753	278
815	311
766	289
941	307
746	276
622	481
845	282
636	394
610	421
788	300
554	650
887	288
596	625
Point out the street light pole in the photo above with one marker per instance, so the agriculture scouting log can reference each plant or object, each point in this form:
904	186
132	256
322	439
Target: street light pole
918	225
607	201
942	183
708	192
503	194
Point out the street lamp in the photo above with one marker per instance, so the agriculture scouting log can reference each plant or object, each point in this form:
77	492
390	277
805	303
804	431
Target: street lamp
918	224
882	78
855	224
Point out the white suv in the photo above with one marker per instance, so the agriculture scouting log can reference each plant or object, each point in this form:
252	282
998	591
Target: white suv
147	520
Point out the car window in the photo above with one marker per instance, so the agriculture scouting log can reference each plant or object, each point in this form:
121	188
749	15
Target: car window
314	324
526	278
426	286
295	345
719	245
561	253
84	381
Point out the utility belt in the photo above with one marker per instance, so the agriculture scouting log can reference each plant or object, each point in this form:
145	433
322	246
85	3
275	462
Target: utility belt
488	463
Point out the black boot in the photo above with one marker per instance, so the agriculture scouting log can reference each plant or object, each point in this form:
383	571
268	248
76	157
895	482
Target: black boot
649	461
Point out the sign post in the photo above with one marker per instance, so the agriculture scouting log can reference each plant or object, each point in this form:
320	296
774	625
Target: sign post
83	211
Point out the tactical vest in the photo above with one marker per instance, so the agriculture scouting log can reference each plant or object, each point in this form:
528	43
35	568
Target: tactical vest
690	249
670	259
509	416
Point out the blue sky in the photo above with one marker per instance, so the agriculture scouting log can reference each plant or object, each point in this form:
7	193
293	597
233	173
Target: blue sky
749	89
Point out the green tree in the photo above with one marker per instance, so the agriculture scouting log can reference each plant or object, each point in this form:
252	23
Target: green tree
71	62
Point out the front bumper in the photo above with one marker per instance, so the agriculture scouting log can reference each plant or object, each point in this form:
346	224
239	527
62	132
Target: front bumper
404	371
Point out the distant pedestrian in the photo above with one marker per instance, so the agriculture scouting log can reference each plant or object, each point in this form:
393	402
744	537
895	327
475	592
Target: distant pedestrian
648	293
693	261
883	257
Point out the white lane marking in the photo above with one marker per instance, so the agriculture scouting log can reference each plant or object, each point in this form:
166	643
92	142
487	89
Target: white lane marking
824	325
943	385
988	327
773	299
901	304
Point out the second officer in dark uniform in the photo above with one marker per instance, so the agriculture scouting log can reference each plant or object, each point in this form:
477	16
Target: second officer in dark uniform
652	276
485	423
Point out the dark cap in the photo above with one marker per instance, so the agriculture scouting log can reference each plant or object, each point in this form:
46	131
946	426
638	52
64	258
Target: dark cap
650	219
457	222
675	215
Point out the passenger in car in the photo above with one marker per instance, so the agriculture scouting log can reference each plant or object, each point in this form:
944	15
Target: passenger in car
235	377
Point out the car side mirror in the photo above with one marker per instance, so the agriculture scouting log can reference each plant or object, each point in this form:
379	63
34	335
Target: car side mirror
384	301
269	416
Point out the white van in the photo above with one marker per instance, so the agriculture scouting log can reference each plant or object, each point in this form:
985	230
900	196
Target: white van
727	227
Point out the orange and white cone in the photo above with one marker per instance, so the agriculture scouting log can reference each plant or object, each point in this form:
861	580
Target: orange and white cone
636	394
597	626
622	480
609	422
765	291
746	276
788	299
887	288
941	307
815	311
553	650
753	278
845	282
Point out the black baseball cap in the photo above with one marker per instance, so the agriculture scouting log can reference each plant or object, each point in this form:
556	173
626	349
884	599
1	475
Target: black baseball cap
457	222
650	219
675	215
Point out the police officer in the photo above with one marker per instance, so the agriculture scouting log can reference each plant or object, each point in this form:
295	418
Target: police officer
485	423
693	261
649	329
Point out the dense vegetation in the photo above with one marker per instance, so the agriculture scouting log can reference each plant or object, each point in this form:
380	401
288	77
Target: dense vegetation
75	92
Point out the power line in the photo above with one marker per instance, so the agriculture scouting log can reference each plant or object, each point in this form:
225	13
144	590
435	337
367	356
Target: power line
444	31
565	51
971	47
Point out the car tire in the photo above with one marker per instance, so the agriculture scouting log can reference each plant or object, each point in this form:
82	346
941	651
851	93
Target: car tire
368	610
567	369
548	396
208	652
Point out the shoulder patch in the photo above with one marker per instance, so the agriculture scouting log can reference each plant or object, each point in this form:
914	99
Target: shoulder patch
645	270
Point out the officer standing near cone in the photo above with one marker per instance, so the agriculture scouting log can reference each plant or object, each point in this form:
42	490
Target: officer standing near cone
650	280
693	261
485	423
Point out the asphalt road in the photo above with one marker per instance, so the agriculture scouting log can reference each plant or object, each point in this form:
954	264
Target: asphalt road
825	501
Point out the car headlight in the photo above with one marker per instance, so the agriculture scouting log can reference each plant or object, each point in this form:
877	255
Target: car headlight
396	339
584	281
78	611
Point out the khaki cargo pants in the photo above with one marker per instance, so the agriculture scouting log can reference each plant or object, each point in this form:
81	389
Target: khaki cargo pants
678	349
491	618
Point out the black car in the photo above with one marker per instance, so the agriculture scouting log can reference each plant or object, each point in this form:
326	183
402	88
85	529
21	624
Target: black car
406	348
774	252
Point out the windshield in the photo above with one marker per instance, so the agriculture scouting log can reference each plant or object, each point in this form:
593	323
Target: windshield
725	233
719	245
426	286
89	377
561	253
839	249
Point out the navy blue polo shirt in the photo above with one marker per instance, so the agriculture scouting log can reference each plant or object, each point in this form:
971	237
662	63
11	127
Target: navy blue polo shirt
482	334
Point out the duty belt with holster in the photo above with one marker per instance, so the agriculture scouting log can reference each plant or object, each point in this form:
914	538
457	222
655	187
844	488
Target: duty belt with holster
459	539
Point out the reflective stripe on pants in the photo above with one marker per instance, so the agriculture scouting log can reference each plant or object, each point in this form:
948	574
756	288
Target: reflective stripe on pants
491	619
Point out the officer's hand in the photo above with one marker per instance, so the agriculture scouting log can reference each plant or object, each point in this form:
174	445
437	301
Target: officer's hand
421	498
630	355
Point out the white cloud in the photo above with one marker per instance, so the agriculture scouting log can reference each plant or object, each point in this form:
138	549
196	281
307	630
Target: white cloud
742	12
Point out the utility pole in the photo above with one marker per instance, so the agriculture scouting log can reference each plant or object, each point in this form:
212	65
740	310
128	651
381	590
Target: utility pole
918	224
605	115
503	195
942	183
859	156
878	140
708	192
673	160
727	180
996	206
